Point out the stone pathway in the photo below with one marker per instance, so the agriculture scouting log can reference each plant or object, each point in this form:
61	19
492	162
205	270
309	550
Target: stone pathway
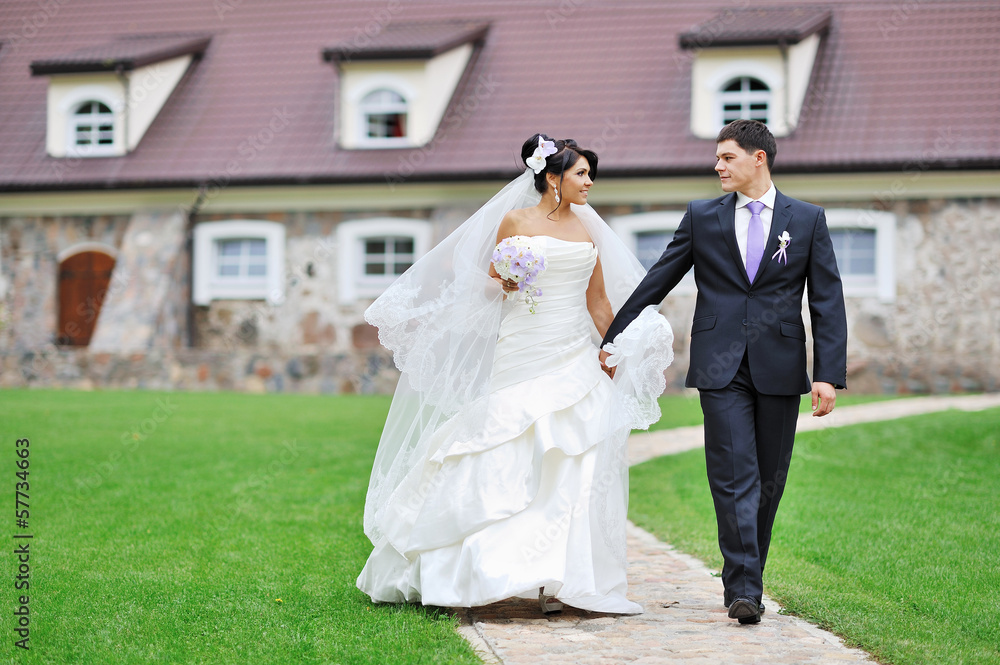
684	620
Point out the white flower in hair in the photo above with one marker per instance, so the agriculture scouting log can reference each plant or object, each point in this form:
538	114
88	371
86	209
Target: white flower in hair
537	160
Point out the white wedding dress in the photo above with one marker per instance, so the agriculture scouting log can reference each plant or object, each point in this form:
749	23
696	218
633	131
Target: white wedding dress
538	496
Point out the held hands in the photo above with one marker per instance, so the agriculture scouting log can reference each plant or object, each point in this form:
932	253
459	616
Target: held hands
825	396
610	371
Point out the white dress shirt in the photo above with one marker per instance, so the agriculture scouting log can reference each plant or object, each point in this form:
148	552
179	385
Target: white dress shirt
743	219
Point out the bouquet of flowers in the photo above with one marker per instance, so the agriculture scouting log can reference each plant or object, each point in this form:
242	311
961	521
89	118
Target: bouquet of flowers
514	258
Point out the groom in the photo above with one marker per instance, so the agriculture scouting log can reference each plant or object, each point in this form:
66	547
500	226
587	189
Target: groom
754	252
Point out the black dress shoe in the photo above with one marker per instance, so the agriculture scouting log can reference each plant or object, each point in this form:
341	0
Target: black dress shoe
727	599
746	609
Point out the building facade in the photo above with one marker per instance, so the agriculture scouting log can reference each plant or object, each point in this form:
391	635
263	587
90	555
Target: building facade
208	197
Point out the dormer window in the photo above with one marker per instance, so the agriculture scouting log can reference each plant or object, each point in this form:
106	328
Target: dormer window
92	129
383	114
753	64
396	87
744	98
102	98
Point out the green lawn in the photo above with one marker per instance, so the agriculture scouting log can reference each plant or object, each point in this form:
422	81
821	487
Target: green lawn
888	533
684	410
167	525
170	541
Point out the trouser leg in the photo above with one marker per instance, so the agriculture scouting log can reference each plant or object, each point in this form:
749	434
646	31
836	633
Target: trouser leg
734	478
775	419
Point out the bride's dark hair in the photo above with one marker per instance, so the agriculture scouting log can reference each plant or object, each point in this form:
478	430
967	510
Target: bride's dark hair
566	155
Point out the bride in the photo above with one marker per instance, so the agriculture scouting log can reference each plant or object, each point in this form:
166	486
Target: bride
502	471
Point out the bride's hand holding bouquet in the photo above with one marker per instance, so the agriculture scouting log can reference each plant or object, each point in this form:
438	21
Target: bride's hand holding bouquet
519	264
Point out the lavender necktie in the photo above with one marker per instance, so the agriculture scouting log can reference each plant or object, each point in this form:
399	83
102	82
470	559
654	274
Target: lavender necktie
755	238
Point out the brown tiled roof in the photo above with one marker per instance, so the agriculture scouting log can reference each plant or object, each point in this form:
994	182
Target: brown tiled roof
765	25
122	53
407	40
891	90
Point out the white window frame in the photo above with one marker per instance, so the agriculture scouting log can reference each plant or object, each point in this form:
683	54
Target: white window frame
744	98
882	285
628	228
737	68
86	95
376	83
209	286
353	283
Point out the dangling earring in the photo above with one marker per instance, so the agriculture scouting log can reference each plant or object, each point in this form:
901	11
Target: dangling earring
557	193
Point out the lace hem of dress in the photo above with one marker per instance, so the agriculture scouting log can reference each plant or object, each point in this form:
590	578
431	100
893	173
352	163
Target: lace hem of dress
421	337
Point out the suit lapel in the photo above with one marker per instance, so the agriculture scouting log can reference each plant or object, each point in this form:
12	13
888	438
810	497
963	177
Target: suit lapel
727	224
779	222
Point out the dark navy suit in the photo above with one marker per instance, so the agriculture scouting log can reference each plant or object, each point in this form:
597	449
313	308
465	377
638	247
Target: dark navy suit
748	358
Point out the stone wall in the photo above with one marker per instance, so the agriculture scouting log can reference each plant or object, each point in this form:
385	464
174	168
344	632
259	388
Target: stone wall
29	271
142	310
199	369
941	334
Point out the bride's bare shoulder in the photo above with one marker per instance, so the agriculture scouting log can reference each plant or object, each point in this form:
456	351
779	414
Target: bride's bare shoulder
520	215
513	223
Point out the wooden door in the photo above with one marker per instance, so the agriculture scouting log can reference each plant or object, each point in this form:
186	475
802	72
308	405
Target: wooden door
83	283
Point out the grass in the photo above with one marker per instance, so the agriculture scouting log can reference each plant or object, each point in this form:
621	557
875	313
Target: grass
888	533
685	410
167	525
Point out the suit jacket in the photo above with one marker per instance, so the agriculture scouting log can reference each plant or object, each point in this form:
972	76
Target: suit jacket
763	319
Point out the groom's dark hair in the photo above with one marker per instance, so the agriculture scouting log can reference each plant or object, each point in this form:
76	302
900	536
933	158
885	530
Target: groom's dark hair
751	135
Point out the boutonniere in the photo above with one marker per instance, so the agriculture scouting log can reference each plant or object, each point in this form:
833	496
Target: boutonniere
783	240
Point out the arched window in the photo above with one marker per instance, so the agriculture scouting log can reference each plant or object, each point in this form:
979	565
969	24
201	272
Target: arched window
84	278
92	129
383	116
744	97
